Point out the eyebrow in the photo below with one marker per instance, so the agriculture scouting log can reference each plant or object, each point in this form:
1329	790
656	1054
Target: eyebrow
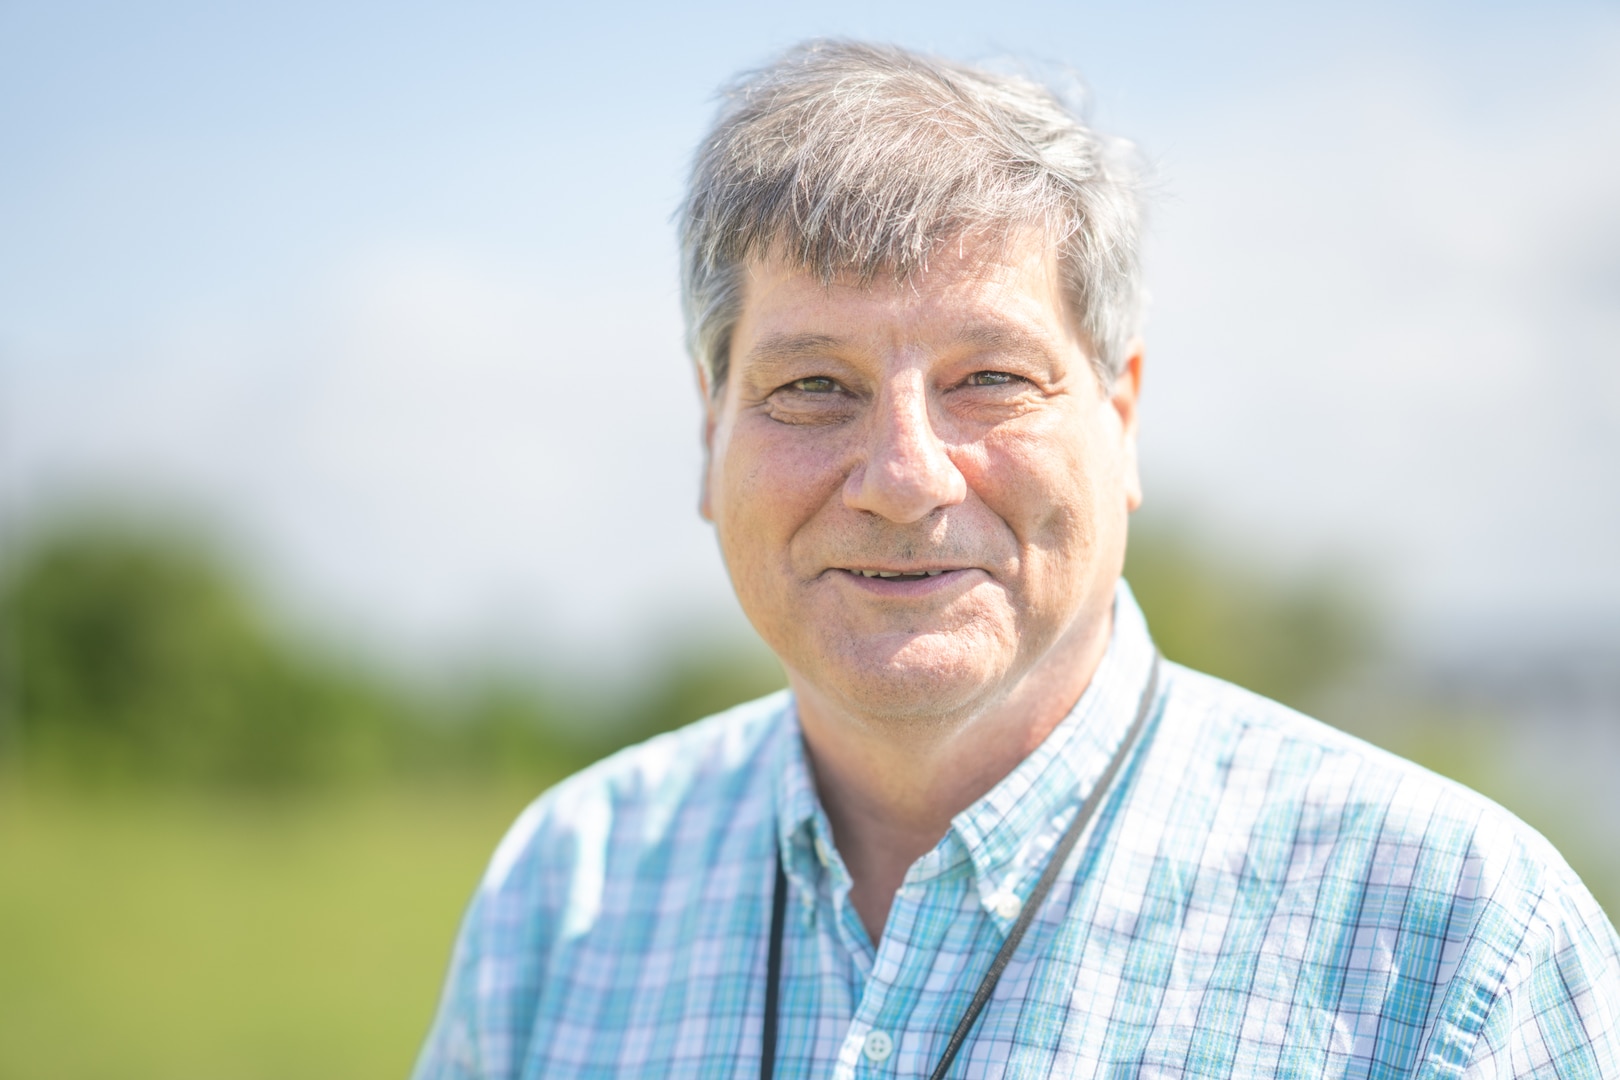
782	348
1001	338
981	336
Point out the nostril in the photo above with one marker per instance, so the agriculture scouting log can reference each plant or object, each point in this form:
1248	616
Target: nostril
907	472
906	490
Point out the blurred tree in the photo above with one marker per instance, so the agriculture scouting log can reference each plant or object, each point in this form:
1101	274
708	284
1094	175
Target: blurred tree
1291	637
521	730
134	652
699	679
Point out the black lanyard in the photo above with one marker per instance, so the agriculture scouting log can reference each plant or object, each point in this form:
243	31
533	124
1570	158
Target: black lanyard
987	985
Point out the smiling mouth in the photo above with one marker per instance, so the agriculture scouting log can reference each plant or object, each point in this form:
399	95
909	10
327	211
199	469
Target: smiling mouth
899	575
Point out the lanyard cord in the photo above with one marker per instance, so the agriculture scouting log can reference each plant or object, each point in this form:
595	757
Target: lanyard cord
773	971
1037	895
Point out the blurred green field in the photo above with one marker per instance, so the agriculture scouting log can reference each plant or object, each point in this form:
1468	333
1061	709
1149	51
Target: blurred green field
146	934
229	851
154	934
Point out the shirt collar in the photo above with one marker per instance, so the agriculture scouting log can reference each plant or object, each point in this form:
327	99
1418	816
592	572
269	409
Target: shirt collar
1008	833
798	810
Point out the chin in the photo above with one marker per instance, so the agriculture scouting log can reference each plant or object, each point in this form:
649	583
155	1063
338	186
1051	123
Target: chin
925	681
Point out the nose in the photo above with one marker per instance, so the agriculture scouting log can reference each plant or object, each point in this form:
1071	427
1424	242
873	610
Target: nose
906	473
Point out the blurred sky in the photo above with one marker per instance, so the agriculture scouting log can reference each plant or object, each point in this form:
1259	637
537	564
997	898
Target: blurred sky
390	289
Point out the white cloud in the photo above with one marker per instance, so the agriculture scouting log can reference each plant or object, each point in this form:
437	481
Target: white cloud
1379	326
435	447
1385	321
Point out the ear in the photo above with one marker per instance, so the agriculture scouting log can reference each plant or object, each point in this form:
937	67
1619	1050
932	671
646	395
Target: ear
710	418
1124	399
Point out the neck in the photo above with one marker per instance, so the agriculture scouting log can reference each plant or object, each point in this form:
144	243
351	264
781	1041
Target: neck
890	790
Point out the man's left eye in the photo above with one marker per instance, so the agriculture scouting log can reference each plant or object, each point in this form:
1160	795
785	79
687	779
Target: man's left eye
991	378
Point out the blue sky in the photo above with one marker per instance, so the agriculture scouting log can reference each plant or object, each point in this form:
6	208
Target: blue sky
389	290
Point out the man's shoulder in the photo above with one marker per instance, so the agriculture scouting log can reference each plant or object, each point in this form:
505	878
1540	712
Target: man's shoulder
1375	883
1325	803
1286	755
1303	757
706	772
594	866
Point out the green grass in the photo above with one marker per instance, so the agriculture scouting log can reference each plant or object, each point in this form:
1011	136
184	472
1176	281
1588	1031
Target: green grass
162	936
147	934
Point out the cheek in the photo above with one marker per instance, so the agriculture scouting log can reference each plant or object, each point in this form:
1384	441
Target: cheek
766	482
1042	486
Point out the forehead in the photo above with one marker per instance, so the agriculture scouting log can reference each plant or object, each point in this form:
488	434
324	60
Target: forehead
970	296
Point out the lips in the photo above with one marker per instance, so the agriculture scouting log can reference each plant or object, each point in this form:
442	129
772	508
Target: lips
920	582
902	575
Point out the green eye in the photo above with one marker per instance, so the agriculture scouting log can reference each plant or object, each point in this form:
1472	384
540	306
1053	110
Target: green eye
990	378
816	384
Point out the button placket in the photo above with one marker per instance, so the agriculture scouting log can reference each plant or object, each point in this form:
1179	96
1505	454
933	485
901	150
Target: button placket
870	1043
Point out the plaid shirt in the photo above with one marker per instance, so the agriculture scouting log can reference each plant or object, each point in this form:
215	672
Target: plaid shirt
1258	896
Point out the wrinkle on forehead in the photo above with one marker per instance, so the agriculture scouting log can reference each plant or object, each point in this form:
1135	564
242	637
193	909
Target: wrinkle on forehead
977	336
976	263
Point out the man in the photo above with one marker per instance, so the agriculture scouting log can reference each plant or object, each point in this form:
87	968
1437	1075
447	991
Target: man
988	832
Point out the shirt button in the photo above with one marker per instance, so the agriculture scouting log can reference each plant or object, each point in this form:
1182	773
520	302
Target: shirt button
823	852
878	1046
1008	906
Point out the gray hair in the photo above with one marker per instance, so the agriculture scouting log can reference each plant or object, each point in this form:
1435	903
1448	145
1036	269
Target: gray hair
855	159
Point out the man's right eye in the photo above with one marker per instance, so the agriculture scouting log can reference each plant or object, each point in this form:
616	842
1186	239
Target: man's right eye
814	399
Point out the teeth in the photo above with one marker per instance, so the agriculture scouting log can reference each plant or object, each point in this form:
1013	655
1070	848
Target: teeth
899	573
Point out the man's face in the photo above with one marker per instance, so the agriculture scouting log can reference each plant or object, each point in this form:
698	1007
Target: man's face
949	430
